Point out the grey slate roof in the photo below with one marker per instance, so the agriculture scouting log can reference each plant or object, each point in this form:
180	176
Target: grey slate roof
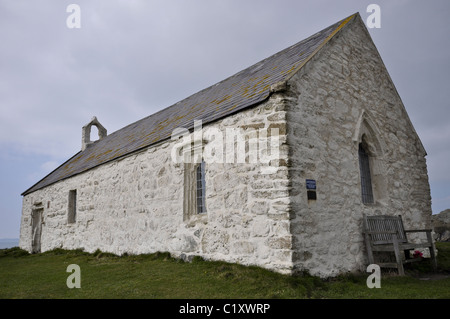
242	90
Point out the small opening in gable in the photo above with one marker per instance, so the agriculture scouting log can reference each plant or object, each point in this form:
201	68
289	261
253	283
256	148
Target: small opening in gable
94	134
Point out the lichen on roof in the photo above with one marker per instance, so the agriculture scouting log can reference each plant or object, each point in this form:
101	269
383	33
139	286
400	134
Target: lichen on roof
240	91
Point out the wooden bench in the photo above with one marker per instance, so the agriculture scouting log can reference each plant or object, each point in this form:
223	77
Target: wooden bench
386	234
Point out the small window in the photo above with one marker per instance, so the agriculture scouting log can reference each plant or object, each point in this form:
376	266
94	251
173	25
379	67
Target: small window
366	179
200	173
72	208
194	207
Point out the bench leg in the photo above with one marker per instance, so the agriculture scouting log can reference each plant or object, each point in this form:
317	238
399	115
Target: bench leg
369	249
398	256
432	252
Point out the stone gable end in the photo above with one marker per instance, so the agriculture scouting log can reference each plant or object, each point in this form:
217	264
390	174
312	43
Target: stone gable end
345	94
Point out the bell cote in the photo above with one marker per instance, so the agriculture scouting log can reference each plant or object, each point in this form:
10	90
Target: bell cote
86	133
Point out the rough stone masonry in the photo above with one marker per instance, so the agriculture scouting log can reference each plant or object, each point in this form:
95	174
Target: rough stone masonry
338	97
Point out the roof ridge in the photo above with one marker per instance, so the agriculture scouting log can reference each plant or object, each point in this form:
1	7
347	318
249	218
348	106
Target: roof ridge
342	23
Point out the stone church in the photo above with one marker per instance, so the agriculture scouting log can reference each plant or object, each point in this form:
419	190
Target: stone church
198	178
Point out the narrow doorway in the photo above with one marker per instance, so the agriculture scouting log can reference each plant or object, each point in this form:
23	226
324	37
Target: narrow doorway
36	229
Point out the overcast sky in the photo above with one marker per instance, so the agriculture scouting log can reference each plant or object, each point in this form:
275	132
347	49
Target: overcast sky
130	59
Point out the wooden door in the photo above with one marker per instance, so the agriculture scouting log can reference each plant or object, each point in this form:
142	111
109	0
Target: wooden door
36	229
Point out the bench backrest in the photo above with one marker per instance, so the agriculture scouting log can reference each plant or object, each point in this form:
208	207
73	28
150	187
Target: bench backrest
384	223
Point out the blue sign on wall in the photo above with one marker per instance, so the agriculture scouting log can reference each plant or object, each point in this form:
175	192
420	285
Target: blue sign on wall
310	184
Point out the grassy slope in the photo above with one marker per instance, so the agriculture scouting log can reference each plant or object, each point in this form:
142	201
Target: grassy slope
159	276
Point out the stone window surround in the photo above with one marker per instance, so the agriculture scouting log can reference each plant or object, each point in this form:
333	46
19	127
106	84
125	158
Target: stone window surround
190	214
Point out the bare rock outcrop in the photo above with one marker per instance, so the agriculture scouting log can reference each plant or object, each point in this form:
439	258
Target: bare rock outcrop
441	225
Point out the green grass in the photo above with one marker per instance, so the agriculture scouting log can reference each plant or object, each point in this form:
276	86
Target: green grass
158	275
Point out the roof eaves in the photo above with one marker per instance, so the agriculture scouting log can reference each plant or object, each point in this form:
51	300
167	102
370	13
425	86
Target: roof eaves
190	128
29	189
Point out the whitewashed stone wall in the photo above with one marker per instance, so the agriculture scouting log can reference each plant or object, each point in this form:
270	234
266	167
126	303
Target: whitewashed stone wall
259	214
344	85
135	205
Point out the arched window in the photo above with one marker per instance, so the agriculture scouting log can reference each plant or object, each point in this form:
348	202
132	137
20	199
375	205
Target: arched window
366	178
372	163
